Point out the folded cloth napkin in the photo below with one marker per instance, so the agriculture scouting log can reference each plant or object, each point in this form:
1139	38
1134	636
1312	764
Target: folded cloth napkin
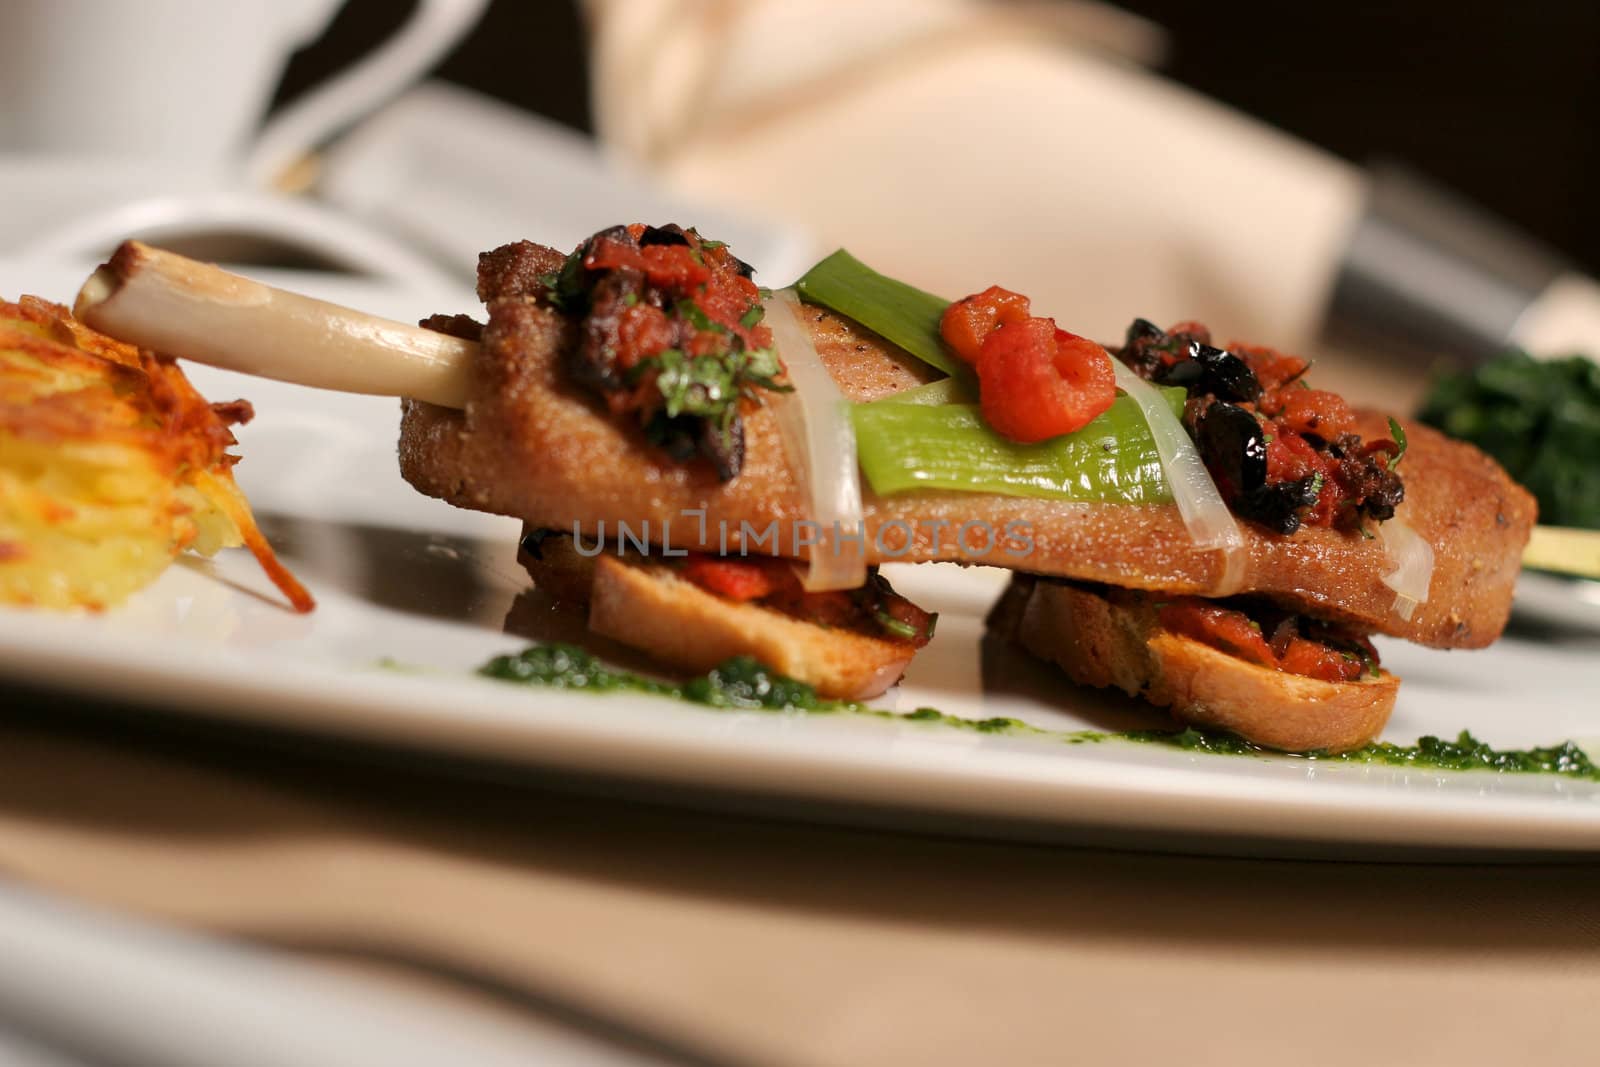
959	143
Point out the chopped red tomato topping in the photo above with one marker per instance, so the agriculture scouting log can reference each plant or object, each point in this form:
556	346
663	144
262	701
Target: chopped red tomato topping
1035	381
643	331
1190	328
728	299
1230	630
739	579
1220	627
875	609
967	323
1311	411
1291	457
1312	659
664	265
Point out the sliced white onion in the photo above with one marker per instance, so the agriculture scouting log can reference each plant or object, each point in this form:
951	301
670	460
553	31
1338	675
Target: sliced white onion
820	440
1211	525
1413	565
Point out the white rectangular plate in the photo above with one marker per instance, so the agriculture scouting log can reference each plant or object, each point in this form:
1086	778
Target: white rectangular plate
410	580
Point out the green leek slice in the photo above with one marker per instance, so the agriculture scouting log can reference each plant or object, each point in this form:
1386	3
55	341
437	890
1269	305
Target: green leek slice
933	437
906	446
902	313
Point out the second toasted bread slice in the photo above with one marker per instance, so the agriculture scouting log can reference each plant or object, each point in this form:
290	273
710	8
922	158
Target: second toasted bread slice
1099	642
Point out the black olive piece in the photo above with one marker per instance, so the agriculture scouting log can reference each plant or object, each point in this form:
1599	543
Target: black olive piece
745	270
1144	330
533	541
1144	348
616	233
1233	446
724	448
573	282
570	287
1384	492
670	234
1227	377
1186	373
675	435
593	361
1278	506
1346	444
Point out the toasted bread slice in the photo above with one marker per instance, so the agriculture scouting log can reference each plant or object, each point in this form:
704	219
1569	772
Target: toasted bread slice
644	605
1101	643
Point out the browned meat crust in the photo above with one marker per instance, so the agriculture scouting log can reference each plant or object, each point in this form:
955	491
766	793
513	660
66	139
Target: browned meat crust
463	326
531	446
514	270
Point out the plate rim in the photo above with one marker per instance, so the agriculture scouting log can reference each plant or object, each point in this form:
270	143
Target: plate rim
394	708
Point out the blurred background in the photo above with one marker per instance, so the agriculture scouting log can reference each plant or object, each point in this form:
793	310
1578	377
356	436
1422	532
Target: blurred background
1393	187
1497	101
1389	187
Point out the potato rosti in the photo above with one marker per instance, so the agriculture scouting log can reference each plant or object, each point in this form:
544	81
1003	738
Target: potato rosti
111	464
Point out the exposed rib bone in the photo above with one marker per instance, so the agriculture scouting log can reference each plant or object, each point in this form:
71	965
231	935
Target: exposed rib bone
164	302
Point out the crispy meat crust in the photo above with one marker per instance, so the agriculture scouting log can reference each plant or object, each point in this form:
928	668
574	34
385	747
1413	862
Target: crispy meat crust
532	446
1099	643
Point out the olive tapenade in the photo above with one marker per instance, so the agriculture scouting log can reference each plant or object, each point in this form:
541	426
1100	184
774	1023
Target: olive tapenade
1282	453
669	332
874	609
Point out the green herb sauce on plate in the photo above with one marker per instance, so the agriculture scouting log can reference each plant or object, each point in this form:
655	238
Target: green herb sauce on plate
743	684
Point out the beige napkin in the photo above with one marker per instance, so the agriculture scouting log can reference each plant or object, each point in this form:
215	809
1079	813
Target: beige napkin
962	143
789	944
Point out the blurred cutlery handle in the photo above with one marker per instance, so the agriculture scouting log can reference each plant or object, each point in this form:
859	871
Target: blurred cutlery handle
100	989
1426	275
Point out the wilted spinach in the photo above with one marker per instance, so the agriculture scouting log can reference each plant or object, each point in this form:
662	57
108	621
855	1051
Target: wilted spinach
1539	418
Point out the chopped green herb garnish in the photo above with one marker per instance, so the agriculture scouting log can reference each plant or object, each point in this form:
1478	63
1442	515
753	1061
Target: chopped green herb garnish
696	316
564	288
896	626
1397	432
709	386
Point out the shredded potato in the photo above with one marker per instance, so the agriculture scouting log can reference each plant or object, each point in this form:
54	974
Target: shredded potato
110	465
